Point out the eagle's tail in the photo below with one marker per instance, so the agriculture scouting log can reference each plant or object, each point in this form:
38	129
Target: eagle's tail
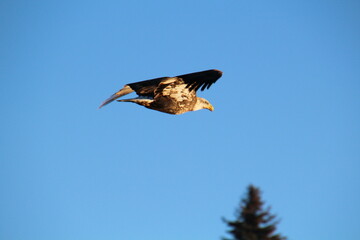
126	90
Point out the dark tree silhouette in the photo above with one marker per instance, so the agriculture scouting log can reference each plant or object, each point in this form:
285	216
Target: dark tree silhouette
253	223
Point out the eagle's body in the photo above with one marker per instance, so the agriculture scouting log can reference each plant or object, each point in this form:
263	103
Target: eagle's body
173	95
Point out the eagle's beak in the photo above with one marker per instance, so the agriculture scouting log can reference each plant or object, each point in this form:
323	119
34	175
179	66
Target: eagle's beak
211	108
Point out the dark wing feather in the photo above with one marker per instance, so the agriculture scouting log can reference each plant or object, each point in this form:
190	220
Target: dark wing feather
194	81
147	87
202	79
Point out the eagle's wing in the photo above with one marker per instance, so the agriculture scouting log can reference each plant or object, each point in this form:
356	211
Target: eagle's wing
143	88
125	90
147	88
202	79
194	81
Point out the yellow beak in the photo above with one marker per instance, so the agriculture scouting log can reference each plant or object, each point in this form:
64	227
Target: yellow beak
211	108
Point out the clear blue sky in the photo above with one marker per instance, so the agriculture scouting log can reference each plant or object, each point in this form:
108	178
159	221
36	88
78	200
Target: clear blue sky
286	119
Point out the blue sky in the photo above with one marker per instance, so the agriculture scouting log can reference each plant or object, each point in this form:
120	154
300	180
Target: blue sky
286	119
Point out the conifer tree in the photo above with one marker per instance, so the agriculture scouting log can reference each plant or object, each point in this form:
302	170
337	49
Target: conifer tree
252	222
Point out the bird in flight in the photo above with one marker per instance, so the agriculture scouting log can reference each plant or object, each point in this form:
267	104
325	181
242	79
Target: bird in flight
173	95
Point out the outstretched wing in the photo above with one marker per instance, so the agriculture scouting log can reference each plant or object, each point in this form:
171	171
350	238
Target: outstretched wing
147	87
125	90
202	79
194	81
143	88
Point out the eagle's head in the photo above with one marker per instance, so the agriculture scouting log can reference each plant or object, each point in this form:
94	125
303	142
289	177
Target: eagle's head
202	103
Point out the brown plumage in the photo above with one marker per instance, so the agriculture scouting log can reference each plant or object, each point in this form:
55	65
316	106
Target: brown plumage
173	95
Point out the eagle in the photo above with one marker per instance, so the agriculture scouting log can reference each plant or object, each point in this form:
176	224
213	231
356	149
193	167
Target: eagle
173	95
